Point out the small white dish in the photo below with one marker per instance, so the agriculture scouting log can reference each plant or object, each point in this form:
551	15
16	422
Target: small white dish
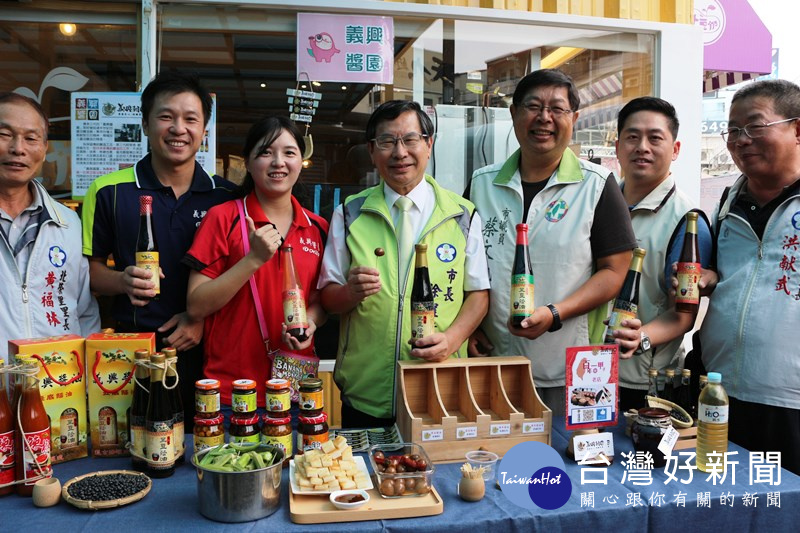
347	506
46	492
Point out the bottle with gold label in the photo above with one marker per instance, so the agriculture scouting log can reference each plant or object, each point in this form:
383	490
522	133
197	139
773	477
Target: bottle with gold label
626	305
138	409
687	297
522	282
422	305
146	247
294	302
160	423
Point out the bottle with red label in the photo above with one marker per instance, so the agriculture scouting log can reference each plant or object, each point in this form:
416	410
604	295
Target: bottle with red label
7	456
522	282
687	297
294	302
33	433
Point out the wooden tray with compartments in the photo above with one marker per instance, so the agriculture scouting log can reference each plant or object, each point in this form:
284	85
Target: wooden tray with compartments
459	405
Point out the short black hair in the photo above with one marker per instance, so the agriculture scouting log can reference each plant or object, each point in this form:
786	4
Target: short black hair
547	77
16	98
394	108
174	82
649	103
784	94
262	134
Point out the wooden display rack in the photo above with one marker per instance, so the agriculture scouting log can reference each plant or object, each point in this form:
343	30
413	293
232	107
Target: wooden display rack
459	405
687	438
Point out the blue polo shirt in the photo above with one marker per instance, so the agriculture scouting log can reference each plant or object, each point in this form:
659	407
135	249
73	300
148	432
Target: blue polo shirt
111	225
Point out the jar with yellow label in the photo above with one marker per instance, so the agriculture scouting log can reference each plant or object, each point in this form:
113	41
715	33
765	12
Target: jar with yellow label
208	432
311	397
279	398
206	398
244	429
278	432
312	431
243	397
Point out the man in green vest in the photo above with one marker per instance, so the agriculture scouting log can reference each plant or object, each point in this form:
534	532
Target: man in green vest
372	291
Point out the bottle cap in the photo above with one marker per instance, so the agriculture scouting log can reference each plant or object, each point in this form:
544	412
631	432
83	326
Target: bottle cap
142	354
421	248
522	227
714	377
686	372
652	372
244	384
207	384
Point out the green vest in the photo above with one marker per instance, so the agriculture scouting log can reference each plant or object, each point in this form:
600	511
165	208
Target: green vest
375	334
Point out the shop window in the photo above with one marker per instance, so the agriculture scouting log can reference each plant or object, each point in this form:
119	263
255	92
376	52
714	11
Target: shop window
49	60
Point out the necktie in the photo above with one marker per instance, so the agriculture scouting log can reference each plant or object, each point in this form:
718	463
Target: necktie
405	236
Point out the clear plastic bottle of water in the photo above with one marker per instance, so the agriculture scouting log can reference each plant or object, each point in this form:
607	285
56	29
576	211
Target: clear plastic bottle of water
712	422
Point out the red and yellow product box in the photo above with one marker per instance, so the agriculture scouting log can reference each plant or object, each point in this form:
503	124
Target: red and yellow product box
62	384
110	364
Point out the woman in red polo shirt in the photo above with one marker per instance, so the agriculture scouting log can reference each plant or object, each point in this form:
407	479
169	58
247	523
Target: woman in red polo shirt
218	284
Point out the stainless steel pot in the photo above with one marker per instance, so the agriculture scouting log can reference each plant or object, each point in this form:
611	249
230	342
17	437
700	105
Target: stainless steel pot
238	496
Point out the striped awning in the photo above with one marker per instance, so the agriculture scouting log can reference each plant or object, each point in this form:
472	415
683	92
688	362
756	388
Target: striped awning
717	80
603	88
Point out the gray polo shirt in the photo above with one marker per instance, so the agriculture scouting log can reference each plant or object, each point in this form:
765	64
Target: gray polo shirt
20	233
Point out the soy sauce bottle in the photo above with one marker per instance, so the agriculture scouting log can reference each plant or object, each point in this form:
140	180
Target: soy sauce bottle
171	381
522	283
294	302
626	305
146	247
422	306
138	410
687	297
160	423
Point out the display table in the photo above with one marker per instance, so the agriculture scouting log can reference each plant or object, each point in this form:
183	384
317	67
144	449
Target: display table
172	504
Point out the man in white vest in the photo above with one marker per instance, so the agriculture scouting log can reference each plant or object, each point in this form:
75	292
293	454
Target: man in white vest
580	235
749	334
45	288
647	132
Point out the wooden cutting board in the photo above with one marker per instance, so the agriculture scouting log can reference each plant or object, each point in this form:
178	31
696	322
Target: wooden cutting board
310	509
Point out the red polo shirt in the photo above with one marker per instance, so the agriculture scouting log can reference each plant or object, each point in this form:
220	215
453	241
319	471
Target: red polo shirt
233	345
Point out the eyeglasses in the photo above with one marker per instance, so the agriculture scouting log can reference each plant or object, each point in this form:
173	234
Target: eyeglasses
409	140
536	109
752	130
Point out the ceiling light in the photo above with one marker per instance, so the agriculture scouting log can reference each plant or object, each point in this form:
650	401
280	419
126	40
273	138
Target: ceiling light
67	29
303	86
263	85
307	163
344	87
316	84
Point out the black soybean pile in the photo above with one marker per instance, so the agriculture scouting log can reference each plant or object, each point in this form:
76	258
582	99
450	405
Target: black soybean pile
107	487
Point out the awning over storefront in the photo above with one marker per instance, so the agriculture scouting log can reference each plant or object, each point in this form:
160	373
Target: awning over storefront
737	45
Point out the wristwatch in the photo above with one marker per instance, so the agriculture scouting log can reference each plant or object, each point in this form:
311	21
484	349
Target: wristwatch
556	318
644	345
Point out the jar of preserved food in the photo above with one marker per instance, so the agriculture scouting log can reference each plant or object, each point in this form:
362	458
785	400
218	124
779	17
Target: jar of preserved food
278	432
208	432
244	429
311	397
206	398
279	398
648	429
243	398
312	431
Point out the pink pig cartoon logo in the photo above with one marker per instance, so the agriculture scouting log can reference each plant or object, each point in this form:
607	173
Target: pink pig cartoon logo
322	47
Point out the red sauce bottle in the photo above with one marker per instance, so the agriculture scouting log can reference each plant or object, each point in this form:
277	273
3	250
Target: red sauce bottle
33	433
7	456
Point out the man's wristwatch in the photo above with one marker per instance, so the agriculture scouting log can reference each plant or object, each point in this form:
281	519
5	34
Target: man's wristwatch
644	345
556	318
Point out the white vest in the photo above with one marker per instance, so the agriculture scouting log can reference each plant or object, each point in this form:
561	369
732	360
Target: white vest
750	331
559	229
654	220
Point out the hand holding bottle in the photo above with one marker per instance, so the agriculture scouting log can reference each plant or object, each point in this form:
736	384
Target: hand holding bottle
707	284
479	344
433	348
292	342
628	336
137	283
533	326
264	241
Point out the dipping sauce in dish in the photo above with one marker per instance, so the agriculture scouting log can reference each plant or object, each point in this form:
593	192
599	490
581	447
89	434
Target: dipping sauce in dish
350	498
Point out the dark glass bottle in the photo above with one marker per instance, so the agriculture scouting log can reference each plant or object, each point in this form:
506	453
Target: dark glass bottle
422	307
171	383
160	422
626	305
294	302
522	282
669	385
138	410
683	395
146	247
687	297
652	382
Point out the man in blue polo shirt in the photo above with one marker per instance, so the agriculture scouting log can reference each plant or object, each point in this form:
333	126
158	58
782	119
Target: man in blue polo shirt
175	111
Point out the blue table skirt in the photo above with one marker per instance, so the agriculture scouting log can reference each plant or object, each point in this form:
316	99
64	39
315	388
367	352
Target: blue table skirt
172	504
